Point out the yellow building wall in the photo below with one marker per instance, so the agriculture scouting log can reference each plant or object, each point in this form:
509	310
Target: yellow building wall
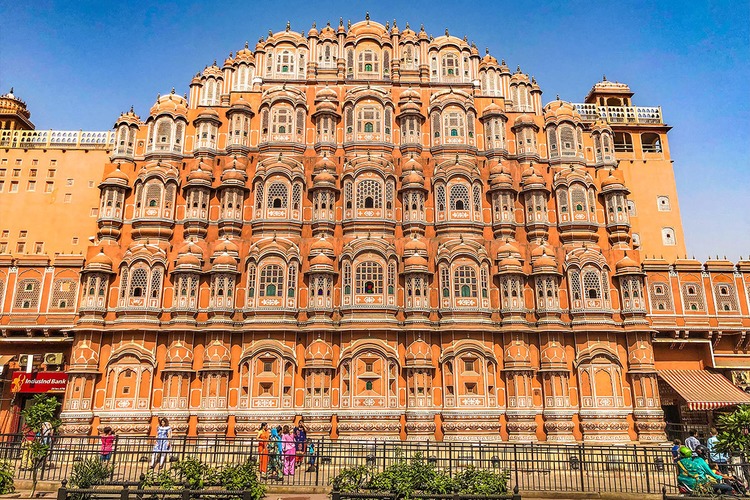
52	195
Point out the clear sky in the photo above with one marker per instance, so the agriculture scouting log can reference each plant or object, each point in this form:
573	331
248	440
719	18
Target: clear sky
78	64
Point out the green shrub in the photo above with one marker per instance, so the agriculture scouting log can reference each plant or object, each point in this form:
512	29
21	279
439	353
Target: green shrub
473	481
6	477
164	480
352	479
242	477
89	473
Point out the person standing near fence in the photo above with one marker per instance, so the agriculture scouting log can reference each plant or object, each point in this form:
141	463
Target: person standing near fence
162	446
107	444
274	455
263	436
692	441
300	439
290	451
717	457
28	440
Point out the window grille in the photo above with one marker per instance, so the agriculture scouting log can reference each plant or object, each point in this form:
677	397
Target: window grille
578	198
661	296
64	294
124	283
259	194
592	203
153	195
291	283
436	124
155	283
278	195
296	196
477	199
389	194
562	201
368	119
369	194
567	137
369	278
28	292
470	124
271	281
726	299
484	282
281	122
251	281
692	296
445	281
138	283
300	121
453	124
459	197
574	277
391	278
440	195
464	282
347	278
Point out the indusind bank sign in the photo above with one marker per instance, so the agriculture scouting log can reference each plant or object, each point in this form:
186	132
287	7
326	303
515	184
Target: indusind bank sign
38	382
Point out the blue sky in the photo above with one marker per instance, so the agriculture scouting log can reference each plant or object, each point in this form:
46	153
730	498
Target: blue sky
79	64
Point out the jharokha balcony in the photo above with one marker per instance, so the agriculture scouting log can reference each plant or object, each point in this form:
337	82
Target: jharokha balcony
623	115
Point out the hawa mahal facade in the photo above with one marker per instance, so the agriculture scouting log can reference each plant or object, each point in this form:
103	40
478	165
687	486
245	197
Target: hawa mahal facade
385	233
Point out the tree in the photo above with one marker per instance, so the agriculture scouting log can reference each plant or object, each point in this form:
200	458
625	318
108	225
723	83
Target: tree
43	409
734	431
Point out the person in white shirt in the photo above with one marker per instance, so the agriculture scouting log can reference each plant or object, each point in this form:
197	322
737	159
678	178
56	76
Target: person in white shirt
717	457
692	442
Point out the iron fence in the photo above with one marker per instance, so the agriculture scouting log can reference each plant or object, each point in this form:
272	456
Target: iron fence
531	467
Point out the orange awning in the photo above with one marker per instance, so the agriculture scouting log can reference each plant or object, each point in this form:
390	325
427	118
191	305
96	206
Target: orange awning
704	390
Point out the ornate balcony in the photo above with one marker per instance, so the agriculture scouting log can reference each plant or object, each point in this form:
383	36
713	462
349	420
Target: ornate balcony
59	139
621	115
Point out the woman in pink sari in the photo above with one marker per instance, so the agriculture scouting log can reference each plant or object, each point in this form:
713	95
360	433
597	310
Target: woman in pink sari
290	451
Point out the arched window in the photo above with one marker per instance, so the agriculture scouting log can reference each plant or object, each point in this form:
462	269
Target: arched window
271	281
651	143
440	197
453	124
368	62
567	139
459	197
281	120
278	195
369	194
369	278
450	66
138	283
285	62
668	237
368	119
592	285
464	282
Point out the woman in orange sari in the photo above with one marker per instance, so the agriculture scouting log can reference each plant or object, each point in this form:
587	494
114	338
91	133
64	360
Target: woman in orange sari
263	436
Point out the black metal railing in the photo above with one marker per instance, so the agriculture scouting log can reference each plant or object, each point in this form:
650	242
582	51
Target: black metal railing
337	495
126	493
531	467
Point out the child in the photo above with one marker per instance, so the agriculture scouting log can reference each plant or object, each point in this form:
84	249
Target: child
108	444
311	453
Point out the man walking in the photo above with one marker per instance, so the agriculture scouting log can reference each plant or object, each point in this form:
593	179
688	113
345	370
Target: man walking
692	441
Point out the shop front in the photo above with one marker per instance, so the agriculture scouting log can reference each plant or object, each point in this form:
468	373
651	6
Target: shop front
693	399
25	385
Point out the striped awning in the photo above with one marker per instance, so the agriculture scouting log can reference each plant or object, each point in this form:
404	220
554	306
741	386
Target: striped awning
704	390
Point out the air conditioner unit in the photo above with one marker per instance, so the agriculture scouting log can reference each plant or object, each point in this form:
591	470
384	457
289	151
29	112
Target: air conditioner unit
54	358
26	362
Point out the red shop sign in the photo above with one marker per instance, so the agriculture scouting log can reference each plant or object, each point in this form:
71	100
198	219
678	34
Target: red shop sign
39	382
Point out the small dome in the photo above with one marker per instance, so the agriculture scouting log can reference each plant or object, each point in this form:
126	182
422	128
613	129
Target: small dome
322	245
324	179
508	248
509	264
419	354
326	94
413	179
319	353
207	114
410	94
234	175
324	163
626	265
321	260
531	177
524	119
129	118
492	110
225	260
412	164
415	245
226	245
100	262
117	177
240	105
171	104
410	107
611	181
200	174
188	260
415	261
245	55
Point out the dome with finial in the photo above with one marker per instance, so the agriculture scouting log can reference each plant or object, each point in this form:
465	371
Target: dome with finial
488	61
524	120
626	265
240	105
116	177
492	109
327	33
412	164
319	354
99	263
530	178
419	354
245	55
213	70
324	163
543	260
189	258
322	245
558	109
500	176
171	104
613	183
224	262
128	118
226	245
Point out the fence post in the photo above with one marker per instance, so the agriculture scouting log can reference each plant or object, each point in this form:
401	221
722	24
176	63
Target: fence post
247	495
114	459
335	495
516	496
317	460
62	493
450	459
186	494
125	493
647	466
515	463
184	445
582	462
